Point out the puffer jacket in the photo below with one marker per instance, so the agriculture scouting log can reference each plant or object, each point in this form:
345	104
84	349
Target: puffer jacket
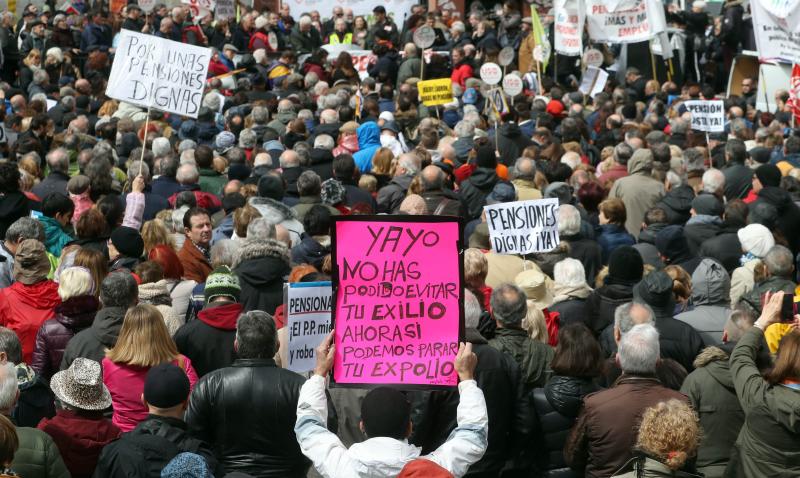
475	189
262	268
72	316
712	394
767	442
80	437
677	203
38	456
556	407
711	287
92	343
232	408
638	190
532	356
612	236
391	196
278	213
24	308
369	141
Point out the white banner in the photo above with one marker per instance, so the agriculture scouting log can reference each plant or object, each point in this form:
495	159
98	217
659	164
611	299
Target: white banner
152	72
523	227
707	116
625	21
398	10
777	38
593	81
308	321
569	19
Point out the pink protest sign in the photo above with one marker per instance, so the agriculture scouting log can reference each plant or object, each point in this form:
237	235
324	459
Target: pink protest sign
398	312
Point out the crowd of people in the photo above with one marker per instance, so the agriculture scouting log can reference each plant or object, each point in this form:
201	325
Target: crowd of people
144	255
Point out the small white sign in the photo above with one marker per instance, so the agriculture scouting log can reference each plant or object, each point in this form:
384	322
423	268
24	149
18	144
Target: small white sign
424	36
593	81
308	319
593	57
708	116
523	227
491	73
506	56
512	84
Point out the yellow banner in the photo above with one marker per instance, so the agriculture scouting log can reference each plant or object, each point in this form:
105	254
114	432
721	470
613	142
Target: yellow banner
435	92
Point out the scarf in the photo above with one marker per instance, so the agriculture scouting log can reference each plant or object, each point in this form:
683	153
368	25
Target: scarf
563	293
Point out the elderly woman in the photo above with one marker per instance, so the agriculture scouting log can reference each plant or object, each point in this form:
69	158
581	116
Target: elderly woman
570	292
756	241
32	298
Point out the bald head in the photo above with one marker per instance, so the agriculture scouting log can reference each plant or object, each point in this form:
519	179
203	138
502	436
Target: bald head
233	186
282	234
414	205
432	178
629	315
525	168
289	159
284	106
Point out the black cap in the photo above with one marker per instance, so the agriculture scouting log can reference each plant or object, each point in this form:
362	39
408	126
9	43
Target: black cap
271	186
233	201
166	386
379	9
128	241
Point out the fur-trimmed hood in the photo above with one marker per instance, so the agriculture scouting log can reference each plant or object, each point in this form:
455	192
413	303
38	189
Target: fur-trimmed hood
708	355
274	211
258	249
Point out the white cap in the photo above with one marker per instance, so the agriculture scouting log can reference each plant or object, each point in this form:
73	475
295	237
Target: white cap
261	22
699	4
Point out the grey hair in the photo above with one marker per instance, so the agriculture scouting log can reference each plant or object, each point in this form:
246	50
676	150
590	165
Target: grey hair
639	350
739	128
309	183
739	321
525	168
623	320
675	180
187	174
465	129
8	386
25	228
569	220
623	153
40	76
409	162
58	160
695	161
678	125
289	159
472	310
255	335
779	261
161	147
223	252
569	272
305	115
324	141
328	116
135	167
458	26
331	101
10	344
68	102
260	229
247	138
187	157
713	181
118	289
260	114
509	304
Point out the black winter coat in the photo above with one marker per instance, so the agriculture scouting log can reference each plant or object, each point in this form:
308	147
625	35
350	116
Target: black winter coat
570	311
92	343
261	273
724	248
148	448
589	252
677	204
511	142
247	413
677	340
309	251
72	316
788	214
475	189
208	341
603	302
556	407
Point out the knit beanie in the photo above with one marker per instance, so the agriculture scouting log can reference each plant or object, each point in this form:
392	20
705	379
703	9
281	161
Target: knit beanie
128	241
187	465
271	186
486	157
625	265
655	290
756	239
707	204
222	283
769	175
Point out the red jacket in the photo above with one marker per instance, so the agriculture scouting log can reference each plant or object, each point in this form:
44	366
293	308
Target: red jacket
80	437
460	74
23	309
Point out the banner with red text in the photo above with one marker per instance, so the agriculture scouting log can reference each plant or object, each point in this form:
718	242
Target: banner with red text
398	300
569	20
624	21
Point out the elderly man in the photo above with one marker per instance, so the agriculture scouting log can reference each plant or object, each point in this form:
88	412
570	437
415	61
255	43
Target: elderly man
439	199
309	187
56	181
622	154
604	435
304	37
284	115
509	307
524	174
188	178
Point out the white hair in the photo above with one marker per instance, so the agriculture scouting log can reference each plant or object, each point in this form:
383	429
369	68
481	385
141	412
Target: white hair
713	181
639	350
161	147
328	116
569	272
187	174
674	179
56	53
304	21
135	167
409	162
465	129
8	386
472	310
260	229
324	141
569	220
571	159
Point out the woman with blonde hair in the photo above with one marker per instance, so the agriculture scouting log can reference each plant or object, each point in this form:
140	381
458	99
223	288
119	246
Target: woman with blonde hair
668	437
95	262
143	343
681	287
155	233
31	63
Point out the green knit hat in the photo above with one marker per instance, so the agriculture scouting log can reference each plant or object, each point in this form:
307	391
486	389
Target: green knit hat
222	282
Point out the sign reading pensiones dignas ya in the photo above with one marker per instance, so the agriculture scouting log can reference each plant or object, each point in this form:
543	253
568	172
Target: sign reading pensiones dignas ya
523	227
398	309
152	72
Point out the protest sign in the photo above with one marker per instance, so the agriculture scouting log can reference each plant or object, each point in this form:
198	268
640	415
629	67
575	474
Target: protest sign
512	84
200	8
593	57
777	30
506	56
147	6
491	73
424	36
308	320
794	93
569	20
149	71
708	116
625	21
523	227
593	81
435	92
398	300
226	9
398	10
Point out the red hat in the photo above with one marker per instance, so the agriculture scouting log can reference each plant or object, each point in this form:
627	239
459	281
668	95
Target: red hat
422	468
555	108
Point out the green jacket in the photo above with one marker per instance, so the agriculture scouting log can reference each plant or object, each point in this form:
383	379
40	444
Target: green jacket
712	394
769	442
307	202
532	356
38	456
211	181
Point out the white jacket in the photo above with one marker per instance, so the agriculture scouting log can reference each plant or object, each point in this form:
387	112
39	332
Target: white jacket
385	457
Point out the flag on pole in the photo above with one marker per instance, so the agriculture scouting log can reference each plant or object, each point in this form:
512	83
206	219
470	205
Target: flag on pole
539	34
794	93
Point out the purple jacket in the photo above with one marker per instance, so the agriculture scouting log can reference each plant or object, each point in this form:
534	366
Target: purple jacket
72	316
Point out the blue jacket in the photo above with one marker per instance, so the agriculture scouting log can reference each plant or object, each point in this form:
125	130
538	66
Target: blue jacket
96	36
612	236
369	141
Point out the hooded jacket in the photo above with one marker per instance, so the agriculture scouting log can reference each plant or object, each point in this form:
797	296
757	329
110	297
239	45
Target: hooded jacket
72	316
92	343
712	394
677	203
157	295
369	141
208	341
711	287
262	267
347	144
391	196
788	214
55	237
475	189
570	303
278	213
557	406
24	308
639	191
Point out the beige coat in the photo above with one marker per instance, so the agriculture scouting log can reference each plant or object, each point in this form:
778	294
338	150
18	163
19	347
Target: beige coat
639	191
